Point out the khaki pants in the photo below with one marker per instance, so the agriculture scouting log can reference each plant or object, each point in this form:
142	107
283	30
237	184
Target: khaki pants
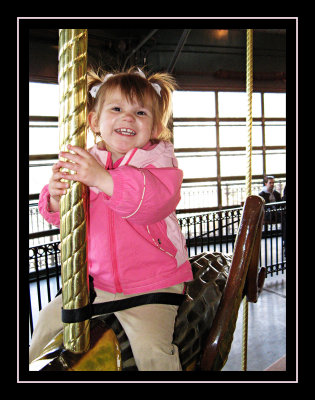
149	329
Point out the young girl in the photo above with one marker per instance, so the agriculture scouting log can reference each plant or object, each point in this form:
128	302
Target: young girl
135	244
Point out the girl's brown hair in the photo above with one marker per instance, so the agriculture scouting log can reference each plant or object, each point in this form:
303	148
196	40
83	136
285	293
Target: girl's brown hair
133	85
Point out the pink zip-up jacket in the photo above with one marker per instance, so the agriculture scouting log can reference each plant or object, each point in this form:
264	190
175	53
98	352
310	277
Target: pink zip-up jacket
135	243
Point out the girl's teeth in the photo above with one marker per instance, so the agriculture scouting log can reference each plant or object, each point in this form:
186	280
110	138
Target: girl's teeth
126	131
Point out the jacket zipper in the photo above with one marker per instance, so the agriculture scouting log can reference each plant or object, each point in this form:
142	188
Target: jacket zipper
112	238
113	251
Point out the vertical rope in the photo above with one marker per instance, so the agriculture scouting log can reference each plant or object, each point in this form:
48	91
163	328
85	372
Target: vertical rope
249	121
249	118
73	205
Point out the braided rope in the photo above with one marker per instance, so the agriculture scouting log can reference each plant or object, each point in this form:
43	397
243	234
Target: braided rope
249	121
73	205
249	118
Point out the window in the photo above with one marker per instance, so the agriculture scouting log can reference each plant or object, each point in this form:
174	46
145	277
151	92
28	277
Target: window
193	104
44	138
234	134
203	134
198	165
275	105
275	134
43	99
235	104
210	139
234	163
275	161
43	133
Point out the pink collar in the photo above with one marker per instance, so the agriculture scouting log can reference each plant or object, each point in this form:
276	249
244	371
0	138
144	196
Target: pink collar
110	165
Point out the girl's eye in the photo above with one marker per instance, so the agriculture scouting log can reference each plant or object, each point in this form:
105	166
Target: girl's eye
141	113
116	108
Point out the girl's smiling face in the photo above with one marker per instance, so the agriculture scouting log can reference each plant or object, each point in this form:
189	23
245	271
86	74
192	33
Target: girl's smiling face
124	124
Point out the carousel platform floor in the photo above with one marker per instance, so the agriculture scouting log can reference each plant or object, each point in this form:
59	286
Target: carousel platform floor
266	348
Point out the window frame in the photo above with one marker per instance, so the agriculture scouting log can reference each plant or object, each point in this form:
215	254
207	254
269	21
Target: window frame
217	120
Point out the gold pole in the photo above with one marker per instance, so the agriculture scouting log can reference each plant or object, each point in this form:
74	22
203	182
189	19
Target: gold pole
74	204
249	120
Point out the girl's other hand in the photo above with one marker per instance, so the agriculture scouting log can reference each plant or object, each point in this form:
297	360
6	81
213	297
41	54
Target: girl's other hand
56	187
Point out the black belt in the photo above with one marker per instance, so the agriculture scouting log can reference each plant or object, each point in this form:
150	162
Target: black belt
90	310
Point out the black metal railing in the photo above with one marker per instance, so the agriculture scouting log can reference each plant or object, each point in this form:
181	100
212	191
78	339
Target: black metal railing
214	231
201	198
44	276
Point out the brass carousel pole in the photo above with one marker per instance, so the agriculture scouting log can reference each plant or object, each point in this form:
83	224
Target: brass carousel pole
249	120
74	204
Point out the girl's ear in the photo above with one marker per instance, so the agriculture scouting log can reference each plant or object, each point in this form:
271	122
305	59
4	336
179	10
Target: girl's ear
93	121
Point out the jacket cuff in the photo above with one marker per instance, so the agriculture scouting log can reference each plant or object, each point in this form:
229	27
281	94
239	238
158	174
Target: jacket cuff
43	207
116	198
